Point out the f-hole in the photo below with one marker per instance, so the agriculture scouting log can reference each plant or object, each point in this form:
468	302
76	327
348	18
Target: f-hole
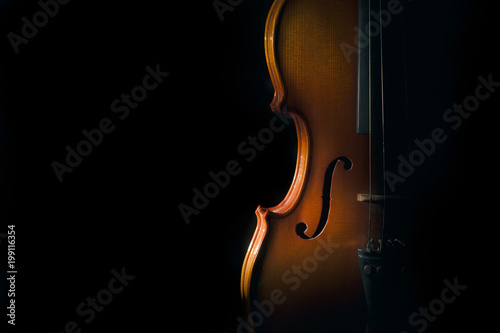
301	227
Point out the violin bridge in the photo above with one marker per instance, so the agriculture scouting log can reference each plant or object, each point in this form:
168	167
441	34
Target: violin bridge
375	198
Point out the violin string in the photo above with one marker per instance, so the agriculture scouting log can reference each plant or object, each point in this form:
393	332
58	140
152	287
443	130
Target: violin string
369	129
405	81
383	120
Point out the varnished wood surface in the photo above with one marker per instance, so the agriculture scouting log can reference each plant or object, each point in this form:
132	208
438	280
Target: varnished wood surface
319	284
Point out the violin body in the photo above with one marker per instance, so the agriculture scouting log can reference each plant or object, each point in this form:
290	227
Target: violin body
301	271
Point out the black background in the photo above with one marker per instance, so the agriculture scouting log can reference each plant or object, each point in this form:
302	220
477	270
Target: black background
119	207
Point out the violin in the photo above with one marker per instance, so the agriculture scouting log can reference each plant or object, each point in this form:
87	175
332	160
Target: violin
311	262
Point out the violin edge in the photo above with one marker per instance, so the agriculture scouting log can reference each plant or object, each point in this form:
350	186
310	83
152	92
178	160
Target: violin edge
278	104
291	199
272	22
250	258
285	207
